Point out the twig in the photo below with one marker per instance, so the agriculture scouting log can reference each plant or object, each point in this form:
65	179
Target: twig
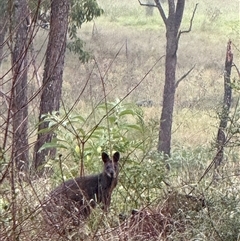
6	172
123	98
236	47
35	70
147	4
234	65
184	76
158	6
161	11
6	98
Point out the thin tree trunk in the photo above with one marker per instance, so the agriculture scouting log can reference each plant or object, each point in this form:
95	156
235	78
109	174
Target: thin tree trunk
53	73
19	88
164	143
221	138
3	26
172	23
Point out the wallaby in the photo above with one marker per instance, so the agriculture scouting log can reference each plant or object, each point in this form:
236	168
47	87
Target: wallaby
71	202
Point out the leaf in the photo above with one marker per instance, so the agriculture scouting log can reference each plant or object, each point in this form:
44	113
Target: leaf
112	119
45	130
127	112
52	145
77	149
132	126
99	149
78	118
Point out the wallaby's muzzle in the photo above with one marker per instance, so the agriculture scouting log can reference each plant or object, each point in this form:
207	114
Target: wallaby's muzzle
111	172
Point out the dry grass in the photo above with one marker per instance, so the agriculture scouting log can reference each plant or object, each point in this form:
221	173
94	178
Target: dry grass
141	42
174	216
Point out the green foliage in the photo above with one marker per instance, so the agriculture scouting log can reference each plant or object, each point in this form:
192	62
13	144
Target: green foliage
4	210
84	137
227	214
186	158
220	219
122	129
140	182
2	158
77	46
81	12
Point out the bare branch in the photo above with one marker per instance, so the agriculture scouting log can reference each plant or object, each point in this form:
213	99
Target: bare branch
158	6
191	22
4	95
184	76
236	47
35	69
6	98
147	4
161	11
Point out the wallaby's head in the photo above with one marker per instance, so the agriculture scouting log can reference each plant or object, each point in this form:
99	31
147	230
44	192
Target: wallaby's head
111	165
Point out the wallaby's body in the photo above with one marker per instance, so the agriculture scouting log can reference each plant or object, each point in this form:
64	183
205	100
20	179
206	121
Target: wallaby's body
72	200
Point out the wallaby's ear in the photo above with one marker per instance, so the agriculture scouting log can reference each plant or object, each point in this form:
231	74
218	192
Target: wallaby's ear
116	156
105	157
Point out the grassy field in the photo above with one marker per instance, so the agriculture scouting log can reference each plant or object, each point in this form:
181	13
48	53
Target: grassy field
125	44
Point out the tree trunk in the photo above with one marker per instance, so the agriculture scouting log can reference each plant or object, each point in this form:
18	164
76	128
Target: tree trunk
3	31
164	143
221	138
3	26
53	73
172	23
19	88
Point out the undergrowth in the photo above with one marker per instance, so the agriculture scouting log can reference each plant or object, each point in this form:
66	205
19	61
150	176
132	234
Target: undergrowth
166	205
149	203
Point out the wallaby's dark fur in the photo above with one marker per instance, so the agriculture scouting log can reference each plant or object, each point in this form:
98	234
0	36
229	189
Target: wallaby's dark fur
72	200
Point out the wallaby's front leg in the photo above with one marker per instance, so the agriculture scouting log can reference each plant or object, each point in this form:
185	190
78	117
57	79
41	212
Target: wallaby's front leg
106	202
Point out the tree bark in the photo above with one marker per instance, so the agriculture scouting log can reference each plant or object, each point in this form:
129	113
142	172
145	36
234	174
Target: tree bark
19	88
53	73
221	138
3	31
172	23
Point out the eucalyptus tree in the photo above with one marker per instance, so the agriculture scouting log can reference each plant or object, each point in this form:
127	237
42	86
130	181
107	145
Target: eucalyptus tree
172	23
14	46
20	83
20	21
66	17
